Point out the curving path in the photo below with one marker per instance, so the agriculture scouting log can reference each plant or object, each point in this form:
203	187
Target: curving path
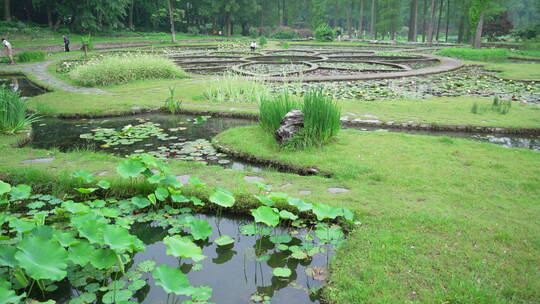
39	72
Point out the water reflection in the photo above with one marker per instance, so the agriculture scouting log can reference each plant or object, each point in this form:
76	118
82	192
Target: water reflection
21	84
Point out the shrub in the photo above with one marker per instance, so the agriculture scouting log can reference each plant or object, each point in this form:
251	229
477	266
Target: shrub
324	33
120	69
285	45
262	41
193	30
284	32
305	33
13	108
235	89
272	110
476	55
253	32
28	56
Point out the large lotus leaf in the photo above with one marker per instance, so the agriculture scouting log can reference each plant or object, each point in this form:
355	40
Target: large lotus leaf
103	258
179	198
280	238
75	208
201	293
171	181
65	238
323	211
92	230
116	296
119	239
299	204
222	199
282	272
81	253
267	215
224	240
4	188
140	202
84	176
265	201
8	296
278	196
182	247
20	192
7	256
22	225
42	258
200	229
286	215
329	234
161	193
171	279
130	168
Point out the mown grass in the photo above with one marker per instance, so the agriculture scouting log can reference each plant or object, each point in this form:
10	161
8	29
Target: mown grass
516	70
476	54
444	220
121	69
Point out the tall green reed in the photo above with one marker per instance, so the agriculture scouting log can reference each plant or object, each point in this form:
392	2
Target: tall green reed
13	109
273	109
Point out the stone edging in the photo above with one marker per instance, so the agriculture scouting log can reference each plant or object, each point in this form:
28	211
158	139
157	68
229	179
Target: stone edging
441	128
280	166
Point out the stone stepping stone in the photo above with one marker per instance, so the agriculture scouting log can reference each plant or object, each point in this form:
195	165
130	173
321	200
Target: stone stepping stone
253	179
102	173
335	190
304	192
38	160
286	185
135	108
184	179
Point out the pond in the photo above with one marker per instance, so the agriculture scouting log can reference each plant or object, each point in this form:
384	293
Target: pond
182	137
20	83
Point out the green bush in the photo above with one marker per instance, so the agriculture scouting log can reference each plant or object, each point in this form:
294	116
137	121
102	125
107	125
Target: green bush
476	55
119	69
272	110
324	33
13	108
262	41
28	56
285	33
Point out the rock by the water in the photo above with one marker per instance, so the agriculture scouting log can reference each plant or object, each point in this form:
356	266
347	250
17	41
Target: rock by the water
291	123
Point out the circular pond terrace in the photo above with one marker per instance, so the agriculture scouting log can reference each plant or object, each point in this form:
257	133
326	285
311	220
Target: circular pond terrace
305	65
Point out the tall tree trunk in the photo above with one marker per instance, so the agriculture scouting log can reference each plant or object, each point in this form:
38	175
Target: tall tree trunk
7	10
349	18
28	10
361	20
285	14
424	21
461	28
373	17
413	27
440	19
49	16
431	23
171	20
447	20
479	28
130	16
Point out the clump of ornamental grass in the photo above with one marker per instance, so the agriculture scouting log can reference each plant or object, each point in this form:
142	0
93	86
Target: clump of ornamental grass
273	109
28	56
233	88
13	116
121	69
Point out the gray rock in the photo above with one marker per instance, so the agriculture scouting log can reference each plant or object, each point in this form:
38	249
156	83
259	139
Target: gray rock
291	123
38	160
184	179
337	190
253	179
304	192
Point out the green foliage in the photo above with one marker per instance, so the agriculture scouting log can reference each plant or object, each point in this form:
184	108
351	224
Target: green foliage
324	32
113	70
28	56
172	104
13	117
497	106
285	45
262	41
284	33
236	89
272	110
476	55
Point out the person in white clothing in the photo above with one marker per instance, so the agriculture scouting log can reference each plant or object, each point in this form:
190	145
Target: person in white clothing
253	46
7	45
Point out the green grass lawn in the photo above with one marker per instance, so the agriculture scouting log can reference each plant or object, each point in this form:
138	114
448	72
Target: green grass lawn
444	220
516	70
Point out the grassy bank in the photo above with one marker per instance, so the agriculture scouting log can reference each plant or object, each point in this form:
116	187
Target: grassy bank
445	220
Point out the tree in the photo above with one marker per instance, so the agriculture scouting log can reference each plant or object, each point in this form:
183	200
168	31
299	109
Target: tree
413	21
478	11
498	26
430	23
171	19
7	10
373	19
361	19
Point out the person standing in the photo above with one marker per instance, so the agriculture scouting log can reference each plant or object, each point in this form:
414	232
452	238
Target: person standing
66	43
7	45
253	46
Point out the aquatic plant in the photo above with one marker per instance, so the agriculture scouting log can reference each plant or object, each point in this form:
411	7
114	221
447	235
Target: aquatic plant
171	103
119	69
233	88
13	108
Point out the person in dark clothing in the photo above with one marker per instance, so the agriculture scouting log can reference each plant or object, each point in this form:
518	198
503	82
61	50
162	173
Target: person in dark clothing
66	43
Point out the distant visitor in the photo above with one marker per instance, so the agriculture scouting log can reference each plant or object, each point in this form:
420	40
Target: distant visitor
66	43
253	46
7	45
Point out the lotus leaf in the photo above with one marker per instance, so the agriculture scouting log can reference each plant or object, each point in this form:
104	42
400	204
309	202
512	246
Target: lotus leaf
265	201
161	193
130	168
42	258
22	225
75	208
200	229
266	215
4	188
103	258
280	239
299	204
146	266
65	238
201	293
103	184
83	175
81	253
119	239
116	296
8	296
136	285
7	256
278	196
324	211
182	247
224	240
286	215
179	198
222	198
282	272
20	192
140	202
196	181
171	279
